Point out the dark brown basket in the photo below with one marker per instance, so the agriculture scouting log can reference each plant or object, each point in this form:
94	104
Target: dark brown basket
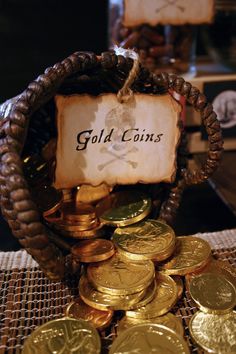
27	123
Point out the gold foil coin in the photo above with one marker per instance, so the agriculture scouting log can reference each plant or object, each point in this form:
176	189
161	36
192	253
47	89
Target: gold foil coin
180	285
150	293
190	254
78	212
169	320
215	266
149	239
75	226
64	335
90	194
213	293
99	319
85	234
124	208
120	276
149	338
93	250
102	301
163	301
214	333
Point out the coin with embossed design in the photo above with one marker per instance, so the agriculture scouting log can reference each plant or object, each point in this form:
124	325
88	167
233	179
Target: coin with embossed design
120	276
214	333
93	250
99	319
149	338
64	335
163	301
215	266
213	293
190	254
169	320
124	208
149	239
102	301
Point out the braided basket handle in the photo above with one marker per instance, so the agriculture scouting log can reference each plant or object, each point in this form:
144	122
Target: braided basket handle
16	204
211	124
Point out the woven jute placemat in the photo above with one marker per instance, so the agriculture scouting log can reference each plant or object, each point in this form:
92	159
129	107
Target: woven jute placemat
28	299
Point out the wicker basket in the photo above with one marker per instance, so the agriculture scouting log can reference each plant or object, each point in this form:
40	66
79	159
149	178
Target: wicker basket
28	122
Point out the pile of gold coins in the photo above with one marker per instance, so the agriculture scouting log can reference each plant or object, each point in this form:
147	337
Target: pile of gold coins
132	280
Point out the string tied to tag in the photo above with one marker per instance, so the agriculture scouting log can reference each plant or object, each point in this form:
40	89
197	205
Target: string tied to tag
125	93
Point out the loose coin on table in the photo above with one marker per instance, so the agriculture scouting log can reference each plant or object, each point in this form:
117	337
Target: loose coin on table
149	338
214	333
79	310
120	276
124	208
169	320
93	250
165	298
213	293
64	335
215	266
102	301
149	239
190	254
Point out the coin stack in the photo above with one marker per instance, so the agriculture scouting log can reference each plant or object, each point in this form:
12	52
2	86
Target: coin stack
75	220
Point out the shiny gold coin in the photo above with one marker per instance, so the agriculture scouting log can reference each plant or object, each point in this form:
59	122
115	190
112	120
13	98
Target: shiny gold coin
149	338
190	254
75	226
64	335
168	320
150	293
215	266
213	293
90	194
124	208
149	239
214	333
180	285
78	212
119	276
102	301
68	195
99	319
95	232
93	250
165	298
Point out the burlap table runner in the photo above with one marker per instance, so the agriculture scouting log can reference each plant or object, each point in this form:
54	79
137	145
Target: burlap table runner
28	299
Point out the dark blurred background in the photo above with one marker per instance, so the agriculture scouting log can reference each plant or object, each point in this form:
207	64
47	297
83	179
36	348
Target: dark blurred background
36	34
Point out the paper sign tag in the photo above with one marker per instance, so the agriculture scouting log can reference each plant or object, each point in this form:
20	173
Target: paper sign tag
102	140
167	12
